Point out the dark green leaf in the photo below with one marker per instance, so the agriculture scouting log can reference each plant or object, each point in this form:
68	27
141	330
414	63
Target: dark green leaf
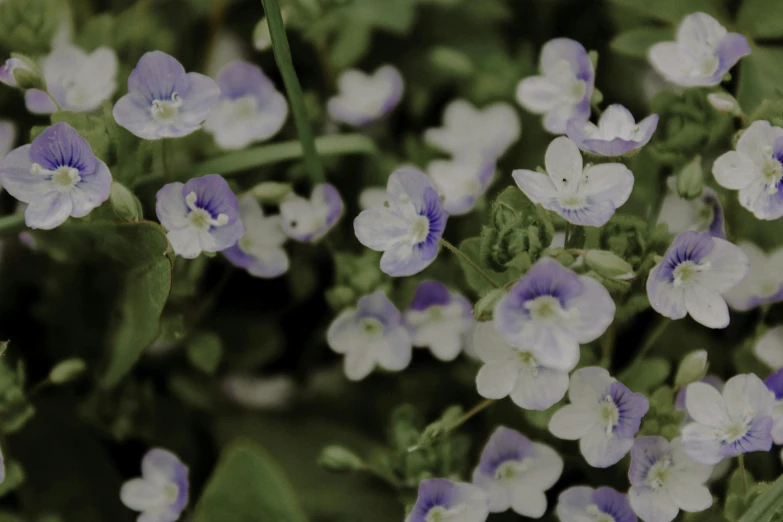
761	18
760	78
672	10
636	42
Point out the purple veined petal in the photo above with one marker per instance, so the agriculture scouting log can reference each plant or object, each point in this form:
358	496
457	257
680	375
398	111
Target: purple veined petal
572	503
764	205
753	143
157	76
732	47
615	504
631	407
758	438
467	500
60	145
645	453
92	190
406	188
38	102
503	445
48	211
7	137
687	246
213	195
402	260
775	384
199	100
430	293
717	224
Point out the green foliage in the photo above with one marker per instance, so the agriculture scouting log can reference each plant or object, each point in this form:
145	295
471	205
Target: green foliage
662	418
647	374
760	78
14	404
28	26
760	18
205	350
672	10
636	42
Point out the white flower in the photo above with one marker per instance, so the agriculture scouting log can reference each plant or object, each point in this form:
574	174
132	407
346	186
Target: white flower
364	98
764	283
161	493
260	249
260	393
462	180
439	319
703	214
769	348
309	220
442	500
617	132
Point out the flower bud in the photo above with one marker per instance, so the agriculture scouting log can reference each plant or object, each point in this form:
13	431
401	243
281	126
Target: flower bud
67	371
271	192
339	459
262	40
692	368
609	265
724	102
19	71
124	203
690	179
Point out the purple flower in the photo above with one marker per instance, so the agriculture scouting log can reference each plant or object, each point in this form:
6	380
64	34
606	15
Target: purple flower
443	500
565	86
583	504
462	180
201	215
664	480
161	493
703	53
7	71
260	249
581	195
775	384
409	229
703	214
515	472
604	415
695	271
309	220
617	132
164	101
364	98
7	136
764	283
57	175
250	108
551	310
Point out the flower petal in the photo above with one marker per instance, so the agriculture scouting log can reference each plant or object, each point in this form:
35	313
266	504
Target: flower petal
528	501
665	298
491	346
538	94
687	495
48	211
702	443
734	170
539	390
754	141
601	451
746	392
496	379
652	505
728	266
537	187
769	348
91	191
563	162
706	306
572	422
394	354
610	181
589	386
706	405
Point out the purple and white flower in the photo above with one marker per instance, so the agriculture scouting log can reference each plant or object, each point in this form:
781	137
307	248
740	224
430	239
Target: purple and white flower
769	348
442	500
679	401
364	98
201	215
514	472
775	384
664	480
488	132
57	175
164	101
583	504
250	108
371	334
695	271
308	220
604	415
755	169
161	493
551	310
703	53
7	137
764	283
260	249
7	71
78	81
703	214
440	320
515	372
582	195
617	132
462	180
409	229
732	423
565	86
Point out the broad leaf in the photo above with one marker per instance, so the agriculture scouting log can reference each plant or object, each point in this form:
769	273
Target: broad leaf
636	42
761	77
761	18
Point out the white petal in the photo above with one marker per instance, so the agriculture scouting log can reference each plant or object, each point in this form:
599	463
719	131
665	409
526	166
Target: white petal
687	468
666	59
379	228
756	198
141	495
589	386
707	307
537	187
734	170
757	139
687	495
490	345
665	298
563	162
609	181
496	379
616	121
596	311
728	266
769	348
700	33
496	491
474	501
572	422
747	393
601	451
706	405
342	335
359	363
48	211
652	505
185	242
538	94
447	346
540	390
528	502
555	347
702	443
546	468
394	353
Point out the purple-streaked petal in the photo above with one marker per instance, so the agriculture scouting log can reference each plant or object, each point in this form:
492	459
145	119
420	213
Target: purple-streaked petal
645	453
687	246
430	293
240	78
213	195
615	504
631	407
572	504
60	145
732	47
406	186
91	191
756	198
775	384
469	500
157	76
403	260
758	438
38	102
505	444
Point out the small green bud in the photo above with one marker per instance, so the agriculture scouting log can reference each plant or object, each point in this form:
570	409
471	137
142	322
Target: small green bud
692	368
67	371
26	73
262	40
486	305
724	102
690	179
339	459
451	61
609	265
271	192
124	203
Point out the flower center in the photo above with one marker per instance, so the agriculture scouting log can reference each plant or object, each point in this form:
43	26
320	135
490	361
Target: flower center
245	244
513	468
577	90
529	360
166	110
610	415
572	201
598	515
171	492
201	218
244	108
687	270
420	229
659	473
442	514
63	177
772	172
709	65
548	307
370	326
734	431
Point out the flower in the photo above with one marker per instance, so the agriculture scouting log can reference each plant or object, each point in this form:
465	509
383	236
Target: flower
161	493
515	372
201	215
775	384
57	175
372	333
551	310
439	319
462	180
309	220
679	401
250	108
617	132
364	98
703	53
275	392
78	81
583	504
409	229
582	196
442	500
7	71
7	136
372	197
466	129
703	214
564	89
736	422
163	101
764	283
695	271
515	472
664	480
260	249
604	415
769	348
755	169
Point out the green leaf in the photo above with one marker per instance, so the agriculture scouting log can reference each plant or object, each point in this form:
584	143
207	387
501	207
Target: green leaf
760	18
394	16
248	486
14	477
471	248
636	42
672	10
647	374
760	78
767	505
205	349
351	43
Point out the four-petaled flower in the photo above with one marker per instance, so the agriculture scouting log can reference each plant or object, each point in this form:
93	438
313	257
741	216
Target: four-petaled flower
7	136
164	101
462	180
161	493
201	215
764	283
703	214
695	271
551	310
583	504
260	249
604	415
250	108
617	132
565	86
703	53
775	384
372	333
581	195
364	98
409	229
514	472
664	480
442	500
57	175
308	220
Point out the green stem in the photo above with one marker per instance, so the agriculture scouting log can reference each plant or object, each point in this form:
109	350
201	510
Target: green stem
11	224
741	459
457	252
471	412
295	98
567	234
167	173
54	101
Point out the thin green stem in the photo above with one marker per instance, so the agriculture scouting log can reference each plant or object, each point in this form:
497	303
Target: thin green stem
12	224
295	97
54	101
471	412
567	234
457	252
741	459
167	173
